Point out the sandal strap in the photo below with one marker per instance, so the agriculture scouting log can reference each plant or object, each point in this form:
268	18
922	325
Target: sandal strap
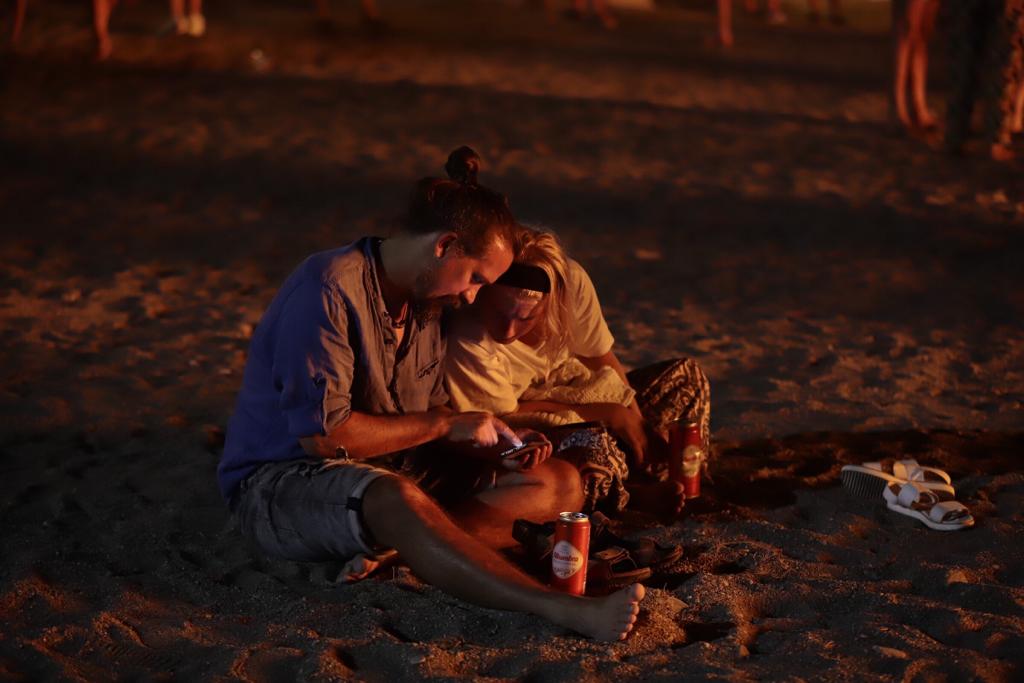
614	566
911	470
613	556
645	551
536	539
947	510
600	526
911	493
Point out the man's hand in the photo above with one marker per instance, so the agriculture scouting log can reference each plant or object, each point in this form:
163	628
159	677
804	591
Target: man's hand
536	450
483	429
624	423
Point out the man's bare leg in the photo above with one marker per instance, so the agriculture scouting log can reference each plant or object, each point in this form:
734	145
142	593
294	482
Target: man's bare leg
401	516
901	68
538	495
925	117
101	10
178	14
775	14
922	21
607	19
19	20
725	23
369	10
835	12
1017	125
322	9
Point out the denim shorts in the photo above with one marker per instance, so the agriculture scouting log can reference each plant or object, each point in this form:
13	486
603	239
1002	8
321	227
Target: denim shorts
307	510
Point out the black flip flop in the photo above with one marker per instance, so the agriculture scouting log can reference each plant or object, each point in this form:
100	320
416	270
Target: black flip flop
537	539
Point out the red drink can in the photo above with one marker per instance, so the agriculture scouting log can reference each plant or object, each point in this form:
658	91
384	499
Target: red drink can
687	456
570	552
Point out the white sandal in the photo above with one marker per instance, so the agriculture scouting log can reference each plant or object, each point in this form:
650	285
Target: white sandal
935	509
870	479
910	470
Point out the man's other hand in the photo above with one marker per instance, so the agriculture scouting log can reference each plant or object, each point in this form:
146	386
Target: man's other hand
536	450
483	429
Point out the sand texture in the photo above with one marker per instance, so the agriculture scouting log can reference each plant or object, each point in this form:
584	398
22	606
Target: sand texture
852	293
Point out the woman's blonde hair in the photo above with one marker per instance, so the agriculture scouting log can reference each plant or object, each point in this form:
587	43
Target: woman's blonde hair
540	248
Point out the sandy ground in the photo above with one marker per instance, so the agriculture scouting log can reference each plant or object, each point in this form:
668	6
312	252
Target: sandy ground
853	295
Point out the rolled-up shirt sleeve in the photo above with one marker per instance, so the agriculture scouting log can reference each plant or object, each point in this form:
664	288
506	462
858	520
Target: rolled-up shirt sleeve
313	360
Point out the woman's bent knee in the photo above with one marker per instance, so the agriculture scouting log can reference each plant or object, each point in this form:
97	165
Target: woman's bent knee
555	475
563	479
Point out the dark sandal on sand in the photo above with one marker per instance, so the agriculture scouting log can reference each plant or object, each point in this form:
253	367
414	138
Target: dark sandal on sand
612	569
646	551
537	539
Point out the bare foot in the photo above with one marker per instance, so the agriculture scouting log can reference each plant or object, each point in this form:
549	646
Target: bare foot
358	568
904	115
1017	126
664	498
104	48
926	120
931	136
361	566
1001	153
609	22
609	618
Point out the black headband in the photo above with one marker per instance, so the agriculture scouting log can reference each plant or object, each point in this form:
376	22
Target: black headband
524	276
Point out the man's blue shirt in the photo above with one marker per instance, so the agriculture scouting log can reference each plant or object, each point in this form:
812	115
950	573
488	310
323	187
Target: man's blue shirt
326	346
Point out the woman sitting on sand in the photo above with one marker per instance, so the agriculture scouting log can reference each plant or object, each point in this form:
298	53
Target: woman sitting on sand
536	350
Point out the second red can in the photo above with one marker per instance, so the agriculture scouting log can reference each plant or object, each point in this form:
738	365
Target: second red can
688	456
570	552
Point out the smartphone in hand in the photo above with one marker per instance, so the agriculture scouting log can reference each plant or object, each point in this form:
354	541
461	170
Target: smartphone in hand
520	458
517	452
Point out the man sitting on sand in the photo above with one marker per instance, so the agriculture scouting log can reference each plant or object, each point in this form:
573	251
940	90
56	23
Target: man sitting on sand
345	367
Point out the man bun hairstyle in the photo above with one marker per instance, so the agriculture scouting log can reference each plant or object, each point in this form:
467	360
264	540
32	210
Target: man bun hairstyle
463	165
476	214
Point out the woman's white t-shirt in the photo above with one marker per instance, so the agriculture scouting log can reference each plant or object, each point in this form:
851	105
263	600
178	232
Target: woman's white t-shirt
485	375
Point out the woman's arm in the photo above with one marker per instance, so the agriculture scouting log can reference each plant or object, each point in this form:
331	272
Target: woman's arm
625	423
630	427
609	360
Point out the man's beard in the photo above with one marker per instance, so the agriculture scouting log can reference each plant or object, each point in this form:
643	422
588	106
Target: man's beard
424	283
426	307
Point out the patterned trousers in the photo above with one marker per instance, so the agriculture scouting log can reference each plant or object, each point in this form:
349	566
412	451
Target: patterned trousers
665	392
674	390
